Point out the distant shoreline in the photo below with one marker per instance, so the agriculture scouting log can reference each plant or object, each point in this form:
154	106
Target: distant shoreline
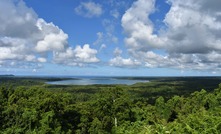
7	75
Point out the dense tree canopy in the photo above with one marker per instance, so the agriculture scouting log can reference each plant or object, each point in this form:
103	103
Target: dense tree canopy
39	109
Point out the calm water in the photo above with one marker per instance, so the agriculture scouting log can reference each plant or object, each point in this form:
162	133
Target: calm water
96	80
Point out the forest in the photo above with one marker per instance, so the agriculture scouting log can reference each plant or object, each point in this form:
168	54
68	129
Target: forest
190	105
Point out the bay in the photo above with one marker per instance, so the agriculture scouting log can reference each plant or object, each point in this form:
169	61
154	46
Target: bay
88	80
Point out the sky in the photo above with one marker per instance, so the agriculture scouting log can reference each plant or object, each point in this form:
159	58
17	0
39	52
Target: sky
110	37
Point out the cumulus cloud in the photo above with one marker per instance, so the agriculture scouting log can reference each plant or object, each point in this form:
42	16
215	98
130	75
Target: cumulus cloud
26	39
78	56
121	62
139	28
118	61
89	9
191	39
54	38
85	54
16	16
191	29
17	25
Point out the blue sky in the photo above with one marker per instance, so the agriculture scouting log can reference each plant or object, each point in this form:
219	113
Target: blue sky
112	37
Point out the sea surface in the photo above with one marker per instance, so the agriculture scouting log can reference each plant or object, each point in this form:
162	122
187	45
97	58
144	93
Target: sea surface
97	81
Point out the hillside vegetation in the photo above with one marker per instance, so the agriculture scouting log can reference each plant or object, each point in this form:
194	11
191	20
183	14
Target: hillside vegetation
167	106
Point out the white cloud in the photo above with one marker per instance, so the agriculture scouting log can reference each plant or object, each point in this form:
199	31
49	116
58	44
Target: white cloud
139	28
191	30
85	54
78	56
21	31
31	58
152	59
89	9
100	38
121	62
42	59
54	38
17	31
118	61
117	52
190	41
13	49
26	40
16	16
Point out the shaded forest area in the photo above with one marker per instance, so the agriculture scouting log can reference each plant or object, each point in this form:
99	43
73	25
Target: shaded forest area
168	105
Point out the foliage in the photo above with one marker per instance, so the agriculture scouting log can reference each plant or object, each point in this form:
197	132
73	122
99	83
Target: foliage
41	108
